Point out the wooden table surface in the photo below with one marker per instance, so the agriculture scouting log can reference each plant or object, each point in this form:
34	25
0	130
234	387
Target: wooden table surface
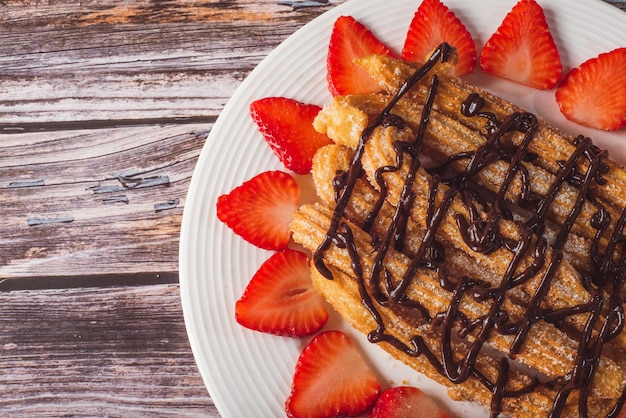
104	107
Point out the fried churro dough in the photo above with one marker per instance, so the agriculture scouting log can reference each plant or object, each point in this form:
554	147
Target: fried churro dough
567	286
343	294
554	361
346	116
459	242
551	145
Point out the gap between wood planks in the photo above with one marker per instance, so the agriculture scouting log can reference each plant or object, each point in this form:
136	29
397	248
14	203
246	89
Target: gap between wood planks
88	281
13	128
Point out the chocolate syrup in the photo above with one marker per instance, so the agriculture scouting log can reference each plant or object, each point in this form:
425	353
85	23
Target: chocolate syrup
584	169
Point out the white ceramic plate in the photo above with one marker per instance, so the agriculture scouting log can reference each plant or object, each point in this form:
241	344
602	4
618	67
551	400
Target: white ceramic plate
248	374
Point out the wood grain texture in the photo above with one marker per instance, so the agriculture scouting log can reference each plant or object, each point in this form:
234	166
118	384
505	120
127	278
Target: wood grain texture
136	60
111	198
119	351
104	108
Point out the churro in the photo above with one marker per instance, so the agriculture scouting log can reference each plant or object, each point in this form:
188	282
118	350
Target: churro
450	232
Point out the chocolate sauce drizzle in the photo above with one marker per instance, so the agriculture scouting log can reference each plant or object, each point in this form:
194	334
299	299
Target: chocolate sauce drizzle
584	169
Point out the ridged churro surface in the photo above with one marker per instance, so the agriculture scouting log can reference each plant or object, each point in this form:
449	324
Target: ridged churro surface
450	232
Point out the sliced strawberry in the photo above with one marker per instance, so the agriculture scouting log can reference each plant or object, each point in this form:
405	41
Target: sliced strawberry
350	39
432	24
287	126
331	379
261	209
280	298
522	49
406	401
594	94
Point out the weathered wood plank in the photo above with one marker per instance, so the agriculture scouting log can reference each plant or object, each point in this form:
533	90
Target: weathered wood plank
111	198
98	352
97	95
110	61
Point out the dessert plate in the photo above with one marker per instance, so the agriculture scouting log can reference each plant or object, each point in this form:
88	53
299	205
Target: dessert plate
248	373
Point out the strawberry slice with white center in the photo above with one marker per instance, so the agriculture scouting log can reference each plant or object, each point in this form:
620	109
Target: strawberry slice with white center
331	379
522	49
350	39
287	127
280	298
404	402
261	209
433	24
594	93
